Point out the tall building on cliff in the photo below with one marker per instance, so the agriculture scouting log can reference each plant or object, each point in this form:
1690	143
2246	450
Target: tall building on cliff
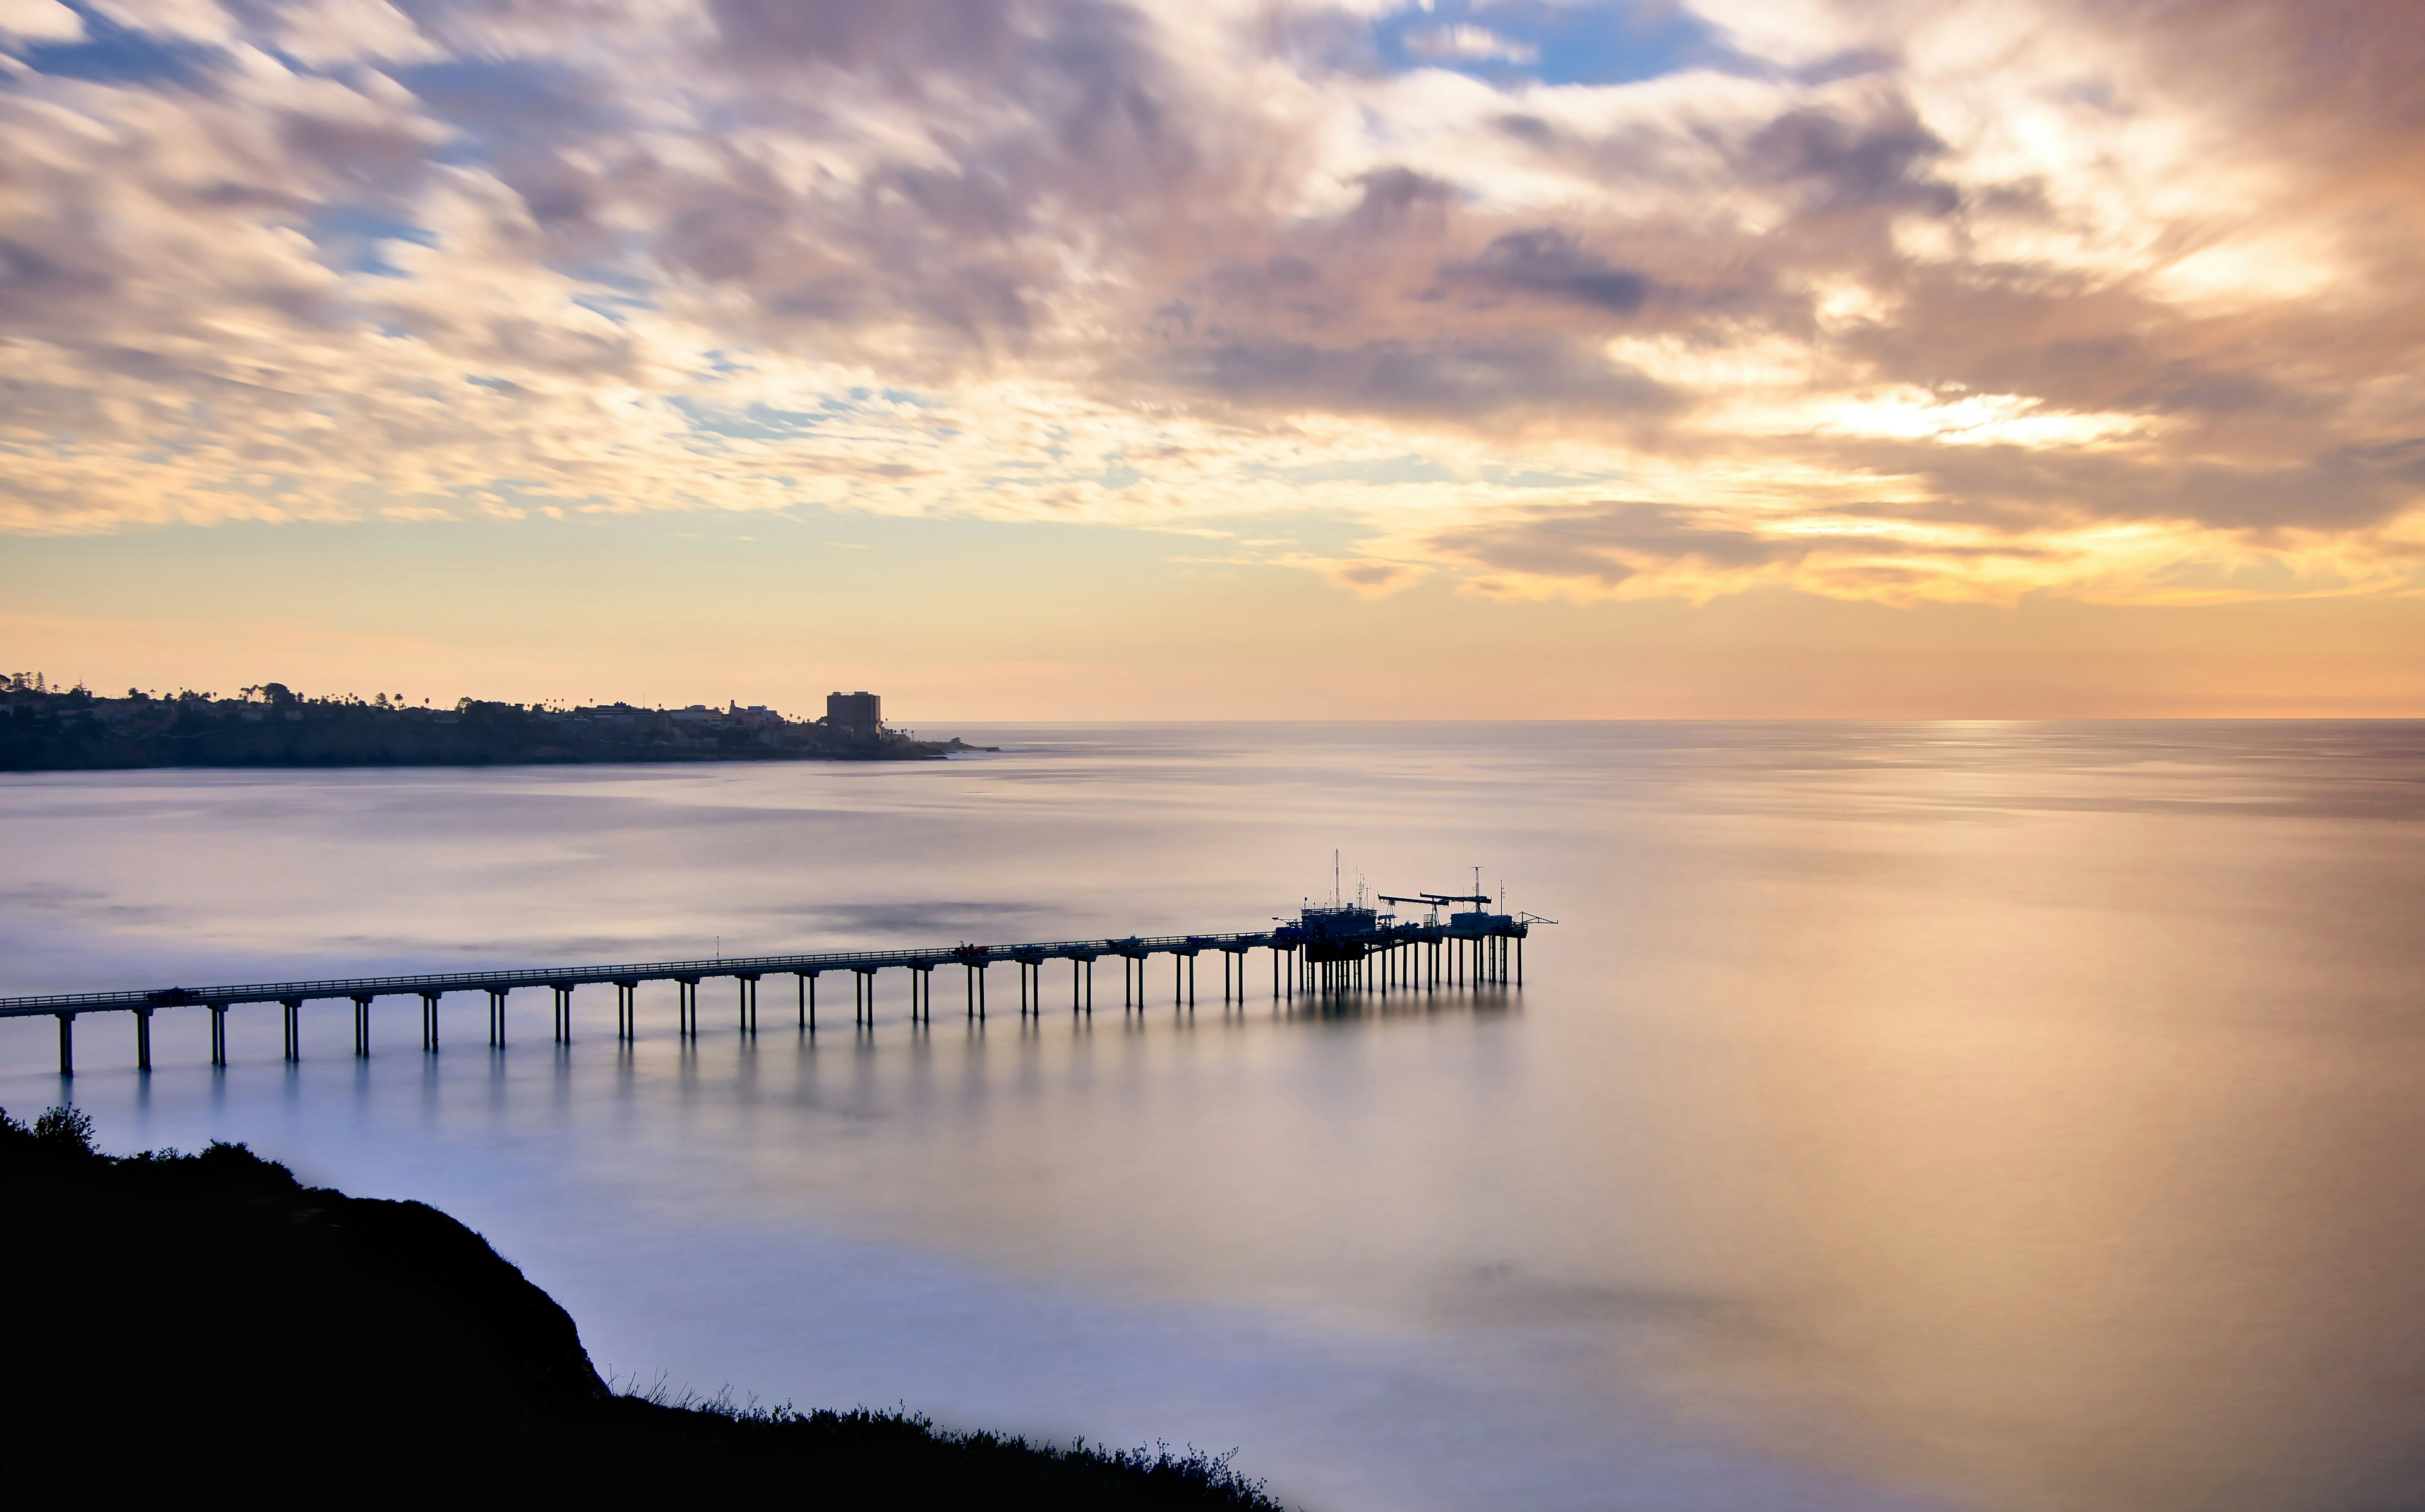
860	714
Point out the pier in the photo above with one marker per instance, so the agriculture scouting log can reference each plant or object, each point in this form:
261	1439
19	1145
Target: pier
1333	951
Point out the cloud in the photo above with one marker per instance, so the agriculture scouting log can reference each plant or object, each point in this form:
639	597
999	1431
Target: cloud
1633	547
1615	541
1547	263
1933	302
1451	382
39	20
1851	162
1467	43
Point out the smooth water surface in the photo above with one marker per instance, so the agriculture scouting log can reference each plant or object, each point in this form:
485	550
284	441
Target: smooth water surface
1976	1116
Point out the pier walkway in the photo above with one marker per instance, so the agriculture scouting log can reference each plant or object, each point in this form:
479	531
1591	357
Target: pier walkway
1328	950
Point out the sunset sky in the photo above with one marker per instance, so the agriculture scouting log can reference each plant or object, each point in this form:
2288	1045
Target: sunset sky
1737	358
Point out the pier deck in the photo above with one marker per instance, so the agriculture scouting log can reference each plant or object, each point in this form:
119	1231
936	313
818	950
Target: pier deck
1359	953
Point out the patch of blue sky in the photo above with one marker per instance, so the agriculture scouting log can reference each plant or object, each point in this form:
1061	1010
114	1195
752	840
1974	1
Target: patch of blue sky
636	286
617	294
861	395
112	54
1553	43
751	422
347	238
1410	468
1119	475
615	306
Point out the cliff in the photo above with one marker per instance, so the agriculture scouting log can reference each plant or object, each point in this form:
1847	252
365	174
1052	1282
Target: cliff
205	1323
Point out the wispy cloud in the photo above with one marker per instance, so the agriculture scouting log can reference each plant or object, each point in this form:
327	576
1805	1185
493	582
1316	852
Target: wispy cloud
1946	302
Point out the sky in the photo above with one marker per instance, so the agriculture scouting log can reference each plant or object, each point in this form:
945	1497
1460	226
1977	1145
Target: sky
1222	358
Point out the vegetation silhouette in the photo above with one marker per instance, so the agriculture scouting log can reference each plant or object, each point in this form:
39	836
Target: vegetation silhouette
206	1322
44	728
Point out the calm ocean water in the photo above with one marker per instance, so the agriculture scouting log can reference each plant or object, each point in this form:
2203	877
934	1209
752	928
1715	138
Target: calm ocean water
1999	1116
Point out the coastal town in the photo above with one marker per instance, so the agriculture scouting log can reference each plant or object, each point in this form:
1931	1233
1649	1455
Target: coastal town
269	725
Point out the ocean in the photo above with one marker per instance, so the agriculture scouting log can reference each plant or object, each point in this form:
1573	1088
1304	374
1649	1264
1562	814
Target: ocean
1897	1116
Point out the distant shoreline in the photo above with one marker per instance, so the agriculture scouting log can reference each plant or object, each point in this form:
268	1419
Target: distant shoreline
637	756
50	730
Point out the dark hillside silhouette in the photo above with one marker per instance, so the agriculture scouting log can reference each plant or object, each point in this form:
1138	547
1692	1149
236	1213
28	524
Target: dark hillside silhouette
205	1324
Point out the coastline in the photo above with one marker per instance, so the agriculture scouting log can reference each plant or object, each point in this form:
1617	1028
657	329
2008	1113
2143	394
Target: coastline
603	757
50	730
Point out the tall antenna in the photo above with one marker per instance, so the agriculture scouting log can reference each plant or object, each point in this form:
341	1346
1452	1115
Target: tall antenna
1334	879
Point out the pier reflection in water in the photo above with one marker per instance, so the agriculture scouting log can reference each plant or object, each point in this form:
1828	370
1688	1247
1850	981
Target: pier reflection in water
2013	1117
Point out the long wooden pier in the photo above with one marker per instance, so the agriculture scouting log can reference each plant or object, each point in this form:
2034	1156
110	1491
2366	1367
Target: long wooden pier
1332	951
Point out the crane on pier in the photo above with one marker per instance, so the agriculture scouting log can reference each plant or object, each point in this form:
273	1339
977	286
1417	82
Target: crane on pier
1435	899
